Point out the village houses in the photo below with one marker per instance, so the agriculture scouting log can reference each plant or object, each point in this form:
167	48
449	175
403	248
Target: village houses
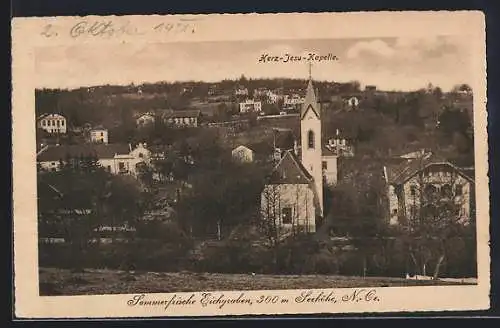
53	123
115	158
293	195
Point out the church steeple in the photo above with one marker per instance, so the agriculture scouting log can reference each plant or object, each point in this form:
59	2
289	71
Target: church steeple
311	149
310	101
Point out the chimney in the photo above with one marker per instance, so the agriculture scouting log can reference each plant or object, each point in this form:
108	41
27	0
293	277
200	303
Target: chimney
130	147
337	132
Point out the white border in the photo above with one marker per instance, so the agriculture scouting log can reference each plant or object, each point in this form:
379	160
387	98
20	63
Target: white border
26	36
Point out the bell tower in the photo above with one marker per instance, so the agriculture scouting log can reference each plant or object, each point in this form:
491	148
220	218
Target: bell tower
310	131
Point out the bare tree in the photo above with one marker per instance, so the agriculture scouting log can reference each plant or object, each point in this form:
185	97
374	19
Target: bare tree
434	214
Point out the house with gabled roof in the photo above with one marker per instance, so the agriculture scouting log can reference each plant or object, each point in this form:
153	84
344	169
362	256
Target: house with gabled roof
289	200
417	183
242	154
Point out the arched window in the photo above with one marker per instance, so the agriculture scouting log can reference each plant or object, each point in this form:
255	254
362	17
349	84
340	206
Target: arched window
310	139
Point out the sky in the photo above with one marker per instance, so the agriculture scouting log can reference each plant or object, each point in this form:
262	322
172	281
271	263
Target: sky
389	63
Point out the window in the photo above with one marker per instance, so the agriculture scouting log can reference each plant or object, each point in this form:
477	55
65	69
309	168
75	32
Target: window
324	165
141	155
310	139
413	190
286	215
446	190
109	168
102	134
430	190
121	166
58	123
395	211
458	190
44	123
62	123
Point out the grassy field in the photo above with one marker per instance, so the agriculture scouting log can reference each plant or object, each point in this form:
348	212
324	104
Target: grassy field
95	282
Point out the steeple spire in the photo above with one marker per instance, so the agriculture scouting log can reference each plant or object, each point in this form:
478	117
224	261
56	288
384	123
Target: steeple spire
310	100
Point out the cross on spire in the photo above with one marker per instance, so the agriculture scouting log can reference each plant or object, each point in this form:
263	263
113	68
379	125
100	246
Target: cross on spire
310	70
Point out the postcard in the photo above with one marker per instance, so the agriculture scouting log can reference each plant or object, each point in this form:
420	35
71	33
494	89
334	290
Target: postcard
250	164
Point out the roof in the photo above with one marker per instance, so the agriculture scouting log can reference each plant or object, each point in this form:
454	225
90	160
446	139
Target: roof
47	115
289	170
184	113
242	147
399	174
327	152
310	101
99	128
101	151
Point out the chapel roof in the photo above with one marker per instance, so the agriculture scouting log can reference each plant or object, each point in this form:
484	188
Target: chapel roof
289	170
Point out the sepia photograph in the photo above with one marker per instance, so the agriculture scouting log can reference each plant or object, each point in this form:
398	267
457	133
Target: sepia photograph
207	166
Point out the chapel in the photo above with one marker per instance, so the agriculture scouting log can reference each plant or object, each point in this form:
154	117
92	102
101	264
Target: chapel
293	196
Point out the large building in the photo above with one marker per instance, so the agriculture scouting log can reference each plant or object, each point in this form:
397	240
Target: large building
423	184
53	123
294	194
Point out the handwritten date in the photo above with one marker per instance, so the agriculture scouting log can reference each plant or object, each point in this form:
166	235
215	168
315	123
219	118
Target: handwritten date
102	29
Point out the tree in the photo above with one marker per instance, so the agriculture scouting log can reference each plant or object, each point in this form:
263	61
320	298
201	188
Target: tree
433	218
86	200
271	217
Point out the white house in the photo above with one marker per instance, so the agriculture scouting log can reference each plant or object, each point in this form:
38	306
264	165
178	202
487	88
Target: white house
241	91
292	100
145	119
115	158
53	123
340	145
351	102
99	135
249	106
242	154
273	97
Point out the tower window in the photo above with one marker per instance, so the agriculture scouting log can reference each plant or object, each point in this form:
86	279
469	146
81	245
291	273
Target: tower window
324	164
310	139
